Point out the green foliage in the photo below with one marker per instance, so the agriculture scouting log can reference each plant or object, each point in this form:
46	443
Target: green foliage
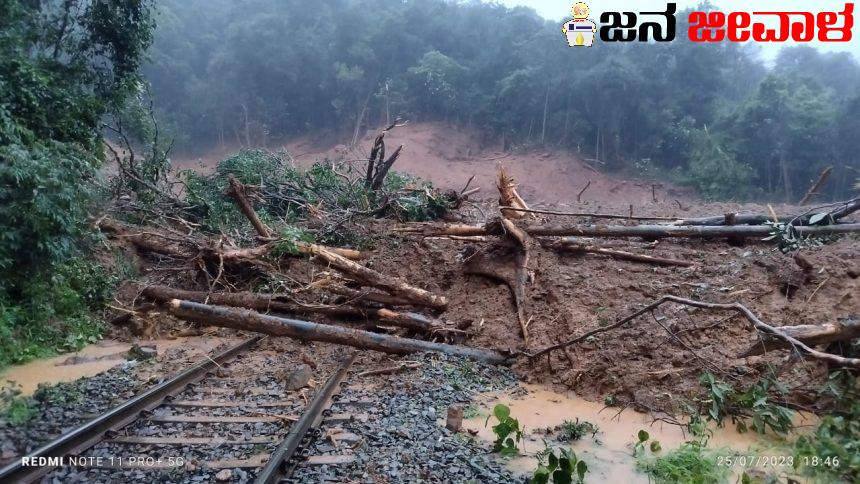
691	463
714	172
560	468
282	194
508	431
63	66
287	243
832	451
282	72
573	431
789	240
15	409
416	200
750	405
55	315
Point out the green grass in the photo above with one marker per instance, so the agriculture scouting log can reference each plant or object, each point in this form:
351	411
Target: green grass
691	463
573	431
15	409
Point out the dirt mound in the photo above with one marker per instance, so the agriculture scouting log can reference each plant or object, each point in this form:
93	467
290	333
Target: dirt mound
642	363
449	155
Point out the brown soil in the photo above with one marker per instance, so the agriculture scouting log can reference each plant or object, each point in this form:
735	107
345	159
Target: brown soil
569	295
448	156
640	362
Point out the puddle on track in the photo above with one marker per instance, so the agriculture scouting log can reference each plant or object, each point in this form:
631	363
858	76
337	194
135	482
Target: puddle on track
611	460
91	360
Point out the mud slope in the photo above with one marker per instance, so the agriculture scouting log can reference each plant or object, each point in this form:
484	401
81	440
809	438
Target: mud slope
448	156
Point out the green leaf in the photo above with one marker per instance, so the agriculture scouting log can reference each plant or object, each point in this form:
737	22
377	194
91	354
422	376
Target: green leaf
541	475
643	436
818	217
561	477
655	446
581	470
501	412
553	461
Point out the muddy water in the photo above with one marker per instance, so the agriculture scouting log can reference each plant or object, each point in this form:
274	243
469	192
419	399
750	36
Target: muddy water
91	360
609	453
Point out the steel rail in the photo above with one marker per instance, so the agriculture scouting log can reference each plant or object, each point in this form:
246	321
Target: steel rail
92	432
280	464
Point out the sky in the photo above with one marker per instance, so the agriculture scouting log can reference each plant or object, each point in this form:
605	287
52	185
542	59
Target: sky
560	10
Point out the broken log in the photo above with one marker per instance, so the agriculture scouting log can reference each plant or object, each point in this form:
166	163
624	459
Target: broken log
521	274
247	320
147	240
810	334
569	245
813	190
591	215
843	210
644	231
304	248
372	278
508	196
271	302
360	295
237	192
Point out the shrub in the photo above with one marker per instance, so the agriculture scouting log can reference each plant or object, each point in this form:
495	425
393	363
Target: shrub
752	404
508	431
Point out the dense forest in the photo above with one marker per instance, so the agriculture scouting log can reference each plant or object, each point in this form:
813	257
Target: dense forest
65	68
257	72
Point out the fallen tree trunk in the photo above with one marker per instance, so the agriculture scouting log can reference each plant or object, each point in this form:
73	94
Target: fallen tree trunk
521	273
247	320
843	210
268	302
644	231
372	278
810	334
360	295
301	247
158	243
577	247
237	191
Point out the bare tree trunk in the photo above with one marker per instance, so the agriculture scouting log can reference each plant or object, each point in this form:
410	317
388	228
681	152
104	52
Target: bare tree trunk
813	190
786	179
809	334
247	126
545	108
361	113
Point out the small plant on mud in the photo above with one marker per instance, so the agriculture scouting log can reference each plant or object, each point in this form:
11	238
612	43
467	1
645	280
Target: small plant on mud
789	240
642	438
14	408
573	431
561	467
692	462
508	431
610	400
752	404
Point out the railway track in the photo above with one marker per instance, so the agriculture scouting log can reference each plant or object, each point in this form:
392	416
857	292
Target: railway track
225	418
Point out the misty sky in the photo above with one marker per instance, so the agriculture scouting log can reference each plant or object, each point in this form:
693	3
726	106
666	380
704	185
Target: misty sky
559	9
